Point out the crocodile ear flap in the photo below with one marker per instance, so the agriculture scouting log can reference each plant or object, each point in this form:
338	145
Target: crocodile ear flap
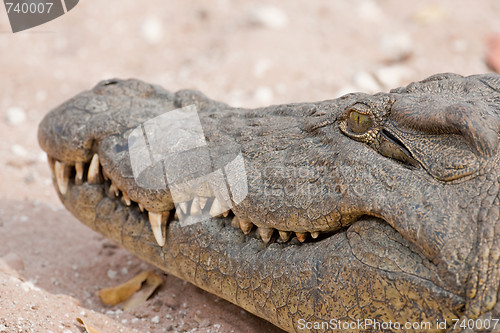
449	141
480	129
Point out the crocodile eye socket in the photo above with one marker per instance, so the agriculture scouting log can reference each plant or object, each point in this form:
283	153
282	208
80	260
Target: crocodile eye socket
358	122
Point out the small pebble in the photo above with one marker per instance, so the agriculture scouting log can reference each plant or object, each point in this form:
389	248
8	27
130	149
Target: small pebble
152	30
111	274
393	76
19	150
366	82
15	116
155	319
396	47
369	10
264	95
269	17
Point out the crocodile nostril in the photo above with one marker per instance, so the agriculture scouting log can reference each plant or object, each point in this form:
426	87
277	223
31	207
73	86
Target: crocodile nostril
110	82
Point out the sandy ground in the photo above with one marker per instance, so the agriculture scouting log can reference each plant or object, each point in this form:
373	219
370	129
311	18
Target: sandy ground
241	52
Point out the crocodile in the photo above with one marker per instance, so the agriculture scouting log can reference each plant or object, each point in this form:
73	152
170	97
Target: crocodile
362	213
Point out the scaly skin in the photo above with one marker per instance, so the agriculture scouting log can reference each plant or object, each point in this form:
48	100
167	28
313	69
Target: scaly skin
402	187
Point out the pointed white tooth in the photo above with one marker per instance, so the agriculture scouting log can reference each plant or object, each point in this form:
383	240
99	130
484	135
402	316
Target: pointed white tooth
245	226
217	208
157	222
52	162
314	234
226	213
62	171
301	236
195	206
285	235
183	206
126	199
79	173
94	175
235	222
203	202
141	207
113	190
265	234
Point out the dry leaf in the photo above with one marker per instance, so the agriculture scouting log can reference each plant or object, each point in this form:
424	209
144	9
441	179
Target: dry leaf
149	281
152	282
118	294
89	329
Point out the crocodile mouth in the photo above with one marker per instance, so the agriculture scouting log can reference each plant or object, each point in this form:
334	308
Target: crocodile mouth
67	175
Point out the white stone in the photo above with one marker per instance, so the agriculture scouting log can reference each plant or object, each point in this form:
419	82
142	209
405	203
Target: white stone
19	150
369	10
396	47
15	115
155	319
393	76
269	17
366	82
111	274
263	95
152	30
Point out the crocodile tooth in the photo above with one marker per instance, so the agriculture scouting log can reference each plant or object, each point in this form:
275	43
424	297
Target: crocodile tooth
94	176
62	171
183	206
156	220
79	173
114	190
105	175
265	233
246	226
217	208
301	236
125	198
203	202
235	222
195	206
314	234
141	207
52	162
285	235
226	213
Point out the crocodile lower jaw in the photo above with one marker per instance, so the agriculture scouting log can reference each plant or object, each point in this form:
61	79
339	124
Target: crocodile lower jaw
222	260
92	173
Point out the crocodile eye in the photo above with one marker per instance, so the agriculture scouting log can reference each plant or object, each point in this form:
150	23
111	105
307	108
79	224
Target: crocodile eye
358	122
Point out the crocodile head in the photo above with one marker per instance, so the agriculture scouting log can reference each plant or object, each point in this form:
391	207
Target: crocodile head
365	207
